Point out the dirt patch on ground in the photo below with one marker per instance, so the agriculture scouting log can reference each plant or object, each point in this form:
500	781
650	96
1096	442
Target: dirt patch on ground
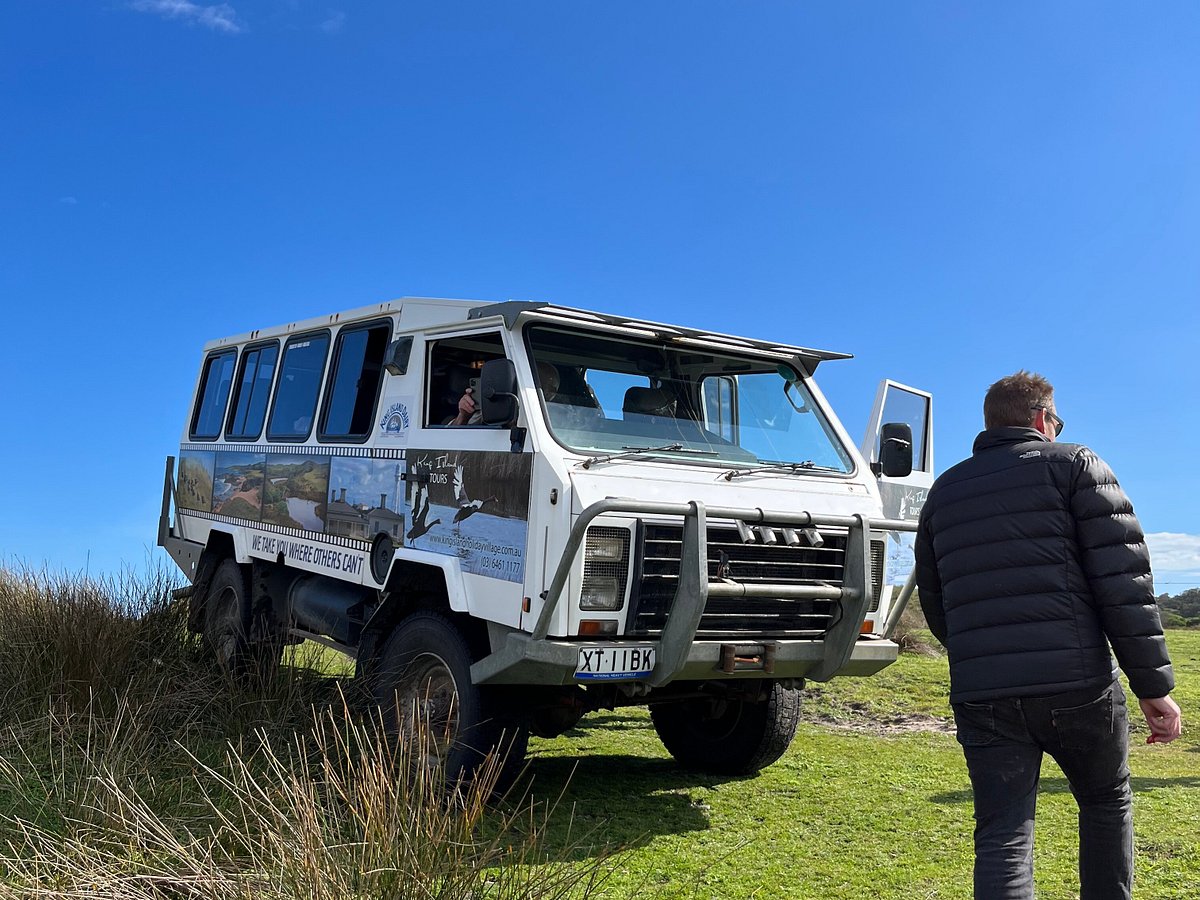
905	724
861	718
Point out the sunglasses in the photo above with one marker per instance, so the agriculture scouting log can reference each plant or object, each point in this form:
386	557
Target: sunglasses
1059	424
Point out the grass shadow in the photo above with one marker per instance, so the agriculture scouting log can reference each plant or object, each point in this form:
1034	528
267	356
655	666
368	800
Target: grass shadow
601	804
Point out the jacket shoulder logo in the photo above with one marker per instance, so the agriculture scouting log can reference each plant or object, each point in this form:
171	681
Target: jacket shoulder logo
1030	454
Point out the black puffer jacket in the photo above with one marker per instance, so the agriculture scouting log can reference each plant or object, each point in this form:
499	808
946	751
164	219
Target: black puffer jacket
1028	557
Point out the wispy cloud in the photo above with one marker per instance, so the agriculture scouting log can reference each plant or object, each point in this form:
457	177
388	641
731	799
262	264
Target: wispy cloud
68	201
334	23
1174	555
218	17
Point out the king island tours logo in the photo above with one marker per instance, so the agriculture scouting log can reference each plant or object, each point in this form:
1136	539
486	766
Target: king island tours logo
395	421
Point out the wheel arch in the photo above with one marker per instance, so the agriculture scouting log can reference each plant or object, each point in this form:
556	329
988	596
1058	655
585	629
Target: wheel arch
220	547
415	583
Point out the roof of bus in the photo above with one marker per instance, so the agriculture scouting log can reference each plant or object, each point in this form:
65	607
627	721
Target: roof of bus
429	312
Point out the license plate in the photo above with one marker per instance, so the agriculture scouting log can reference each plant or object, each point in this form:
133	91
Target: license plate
600	663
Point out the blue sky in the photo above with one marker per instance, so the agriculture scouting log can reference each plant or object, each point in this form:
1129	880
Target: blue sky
950	191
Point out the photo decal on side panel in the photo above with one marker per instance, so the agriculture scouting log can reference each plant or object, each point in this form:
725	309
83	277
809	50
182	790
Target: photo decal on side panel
194	484
903	502
296	491
238	485
366	497
473	505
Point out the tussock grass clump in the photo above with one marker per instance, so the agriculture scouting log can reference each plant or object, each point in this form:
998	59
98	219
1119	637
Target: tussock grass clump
66	640
342	813
132	768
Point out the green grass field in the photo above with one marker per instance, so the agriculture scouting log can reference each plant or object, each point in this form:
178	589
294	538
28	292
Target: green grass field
130	768
872	800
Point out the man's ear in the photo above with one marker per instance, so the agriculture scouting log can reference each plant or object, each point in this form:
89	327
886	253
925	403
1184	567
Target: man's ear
1039	421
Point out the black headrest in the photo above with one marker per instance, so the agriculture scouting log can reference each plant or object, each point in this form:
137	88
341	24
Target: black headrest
648	401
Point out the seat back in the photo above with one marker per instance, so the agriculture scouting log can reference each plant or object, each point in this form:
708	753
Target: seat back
647	402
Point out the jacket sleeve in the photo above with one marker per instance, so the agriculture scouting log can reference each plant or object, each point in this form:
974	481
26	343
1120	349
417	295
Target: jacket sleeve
1114	558
929	583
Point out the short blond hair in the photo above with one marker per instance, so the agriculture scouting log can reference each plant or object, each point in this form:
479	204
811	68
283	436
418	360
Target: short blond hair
1014	399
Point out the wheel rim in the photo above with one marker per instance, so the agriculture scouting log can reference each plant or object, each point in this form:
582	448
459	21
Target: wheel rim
428	704
227	630
718	719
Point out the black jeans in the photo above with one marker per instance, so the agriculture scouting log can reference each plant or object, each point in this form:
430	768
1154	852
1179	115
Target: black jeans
1087	733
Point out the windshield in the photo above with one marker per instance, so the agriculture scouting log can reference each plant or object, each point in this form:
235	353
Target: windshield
604	394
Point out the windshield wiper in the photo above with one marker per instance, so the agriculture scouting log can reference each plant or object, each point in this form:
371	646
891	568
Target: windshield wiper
637	451
807	465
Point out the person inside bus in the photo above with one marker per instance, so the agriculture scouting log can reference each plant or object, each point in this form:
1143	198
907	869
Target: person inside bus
549	382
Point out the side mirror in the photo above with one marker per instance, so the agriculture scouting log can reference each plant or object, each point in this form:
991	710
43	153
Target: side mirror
498	392
895	450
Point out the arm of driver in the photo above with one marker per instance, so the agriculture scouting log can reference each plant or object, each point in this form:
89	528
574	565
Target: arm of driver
1163	716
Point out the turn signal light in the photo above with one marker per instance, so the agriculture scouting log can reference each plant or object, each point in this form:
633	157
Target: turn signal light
597	626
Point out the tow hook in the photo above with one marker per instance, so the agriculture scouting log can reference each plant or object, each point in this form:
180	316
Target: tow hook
747	658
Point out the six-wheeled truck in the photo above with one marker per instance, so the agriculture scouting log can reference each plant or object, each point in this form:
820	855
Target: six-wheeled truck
513	514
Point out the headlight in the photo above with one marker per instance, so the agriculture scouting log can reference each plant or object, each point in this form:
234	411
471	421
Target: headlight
605	569
601	593
612	547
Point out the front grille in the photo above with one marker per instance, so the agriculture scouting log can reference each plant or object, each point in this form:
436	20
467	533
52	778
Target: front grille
748	564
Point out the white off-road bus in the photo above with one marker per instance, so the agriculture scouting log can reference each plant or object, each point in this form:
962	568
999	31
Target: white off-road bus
517	513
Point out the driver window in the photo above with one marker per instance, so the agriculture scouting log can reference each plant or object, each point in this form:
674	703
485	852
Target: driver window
452	378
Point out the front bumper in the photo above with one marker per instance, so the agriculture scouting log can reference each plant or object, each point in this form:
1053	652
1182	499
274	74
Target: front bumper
524	660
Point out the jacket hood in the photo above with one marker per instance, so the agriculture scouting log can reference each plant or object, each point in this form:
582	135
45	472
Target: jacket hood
1008	434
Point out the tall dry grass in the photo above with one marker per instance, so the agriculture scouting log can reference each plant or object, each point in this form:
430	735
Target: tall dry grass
130	768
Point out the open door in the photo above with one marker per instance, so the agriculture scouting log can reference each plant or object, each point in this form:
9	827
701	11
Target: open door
903	496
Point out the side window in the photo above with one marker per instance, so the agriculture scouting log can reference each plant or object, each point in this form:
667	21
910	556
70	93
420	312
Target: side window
354	387
913	408
718	406
253	391
453	364
298	386
212	396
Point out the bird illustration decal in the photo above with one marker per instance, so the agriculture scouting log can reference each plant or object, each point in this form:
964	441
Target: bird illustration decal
419	514
466	506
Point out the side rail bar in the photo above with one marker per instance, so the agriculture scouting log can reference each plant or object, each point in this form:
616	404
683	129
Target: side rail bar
694	586
164	517
185	553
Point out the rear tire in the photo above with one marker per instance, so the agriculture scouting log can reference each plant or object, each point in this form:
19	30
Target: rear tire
728	735
227	627
424	668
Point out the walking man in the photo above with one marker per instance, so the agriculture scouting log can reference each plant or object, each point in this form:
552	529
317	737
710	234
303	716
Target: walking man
1030	563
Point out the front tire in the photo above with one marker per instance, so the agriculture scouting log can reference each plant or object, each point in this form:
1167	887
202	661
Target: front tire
728	735
423	681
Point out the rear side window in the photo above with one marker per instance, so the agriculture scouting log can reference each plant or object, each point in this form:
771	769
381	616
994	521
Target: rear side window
253	391
298	386
354	386
213	395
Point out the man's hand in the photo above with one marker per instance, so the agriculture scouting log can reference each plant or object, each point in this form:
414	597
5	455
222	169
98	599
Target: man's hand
466	408
1164	719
